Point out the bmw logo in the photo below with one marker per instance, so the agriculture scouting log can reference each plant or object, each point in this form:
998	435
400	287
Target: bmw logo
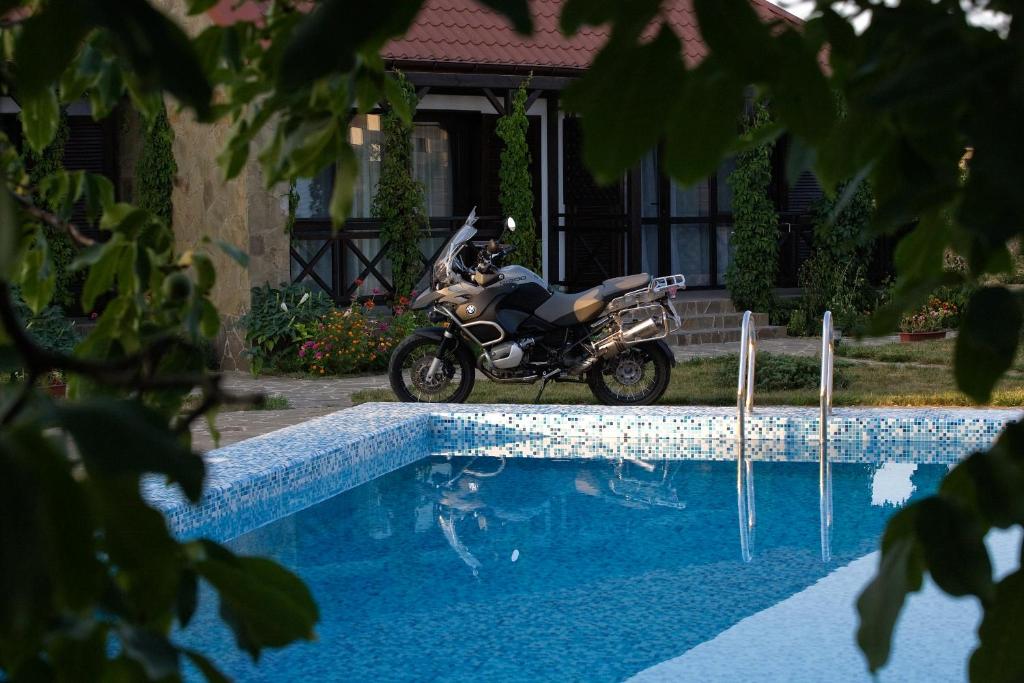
471	309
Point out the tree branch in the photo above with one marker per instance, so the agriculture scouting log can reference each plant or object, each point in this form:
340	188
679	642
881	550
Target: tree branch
54	221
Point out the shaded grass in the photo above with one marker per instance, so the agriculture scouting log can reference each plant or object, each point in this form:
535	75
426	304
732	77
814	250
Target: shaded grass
712	381
935	352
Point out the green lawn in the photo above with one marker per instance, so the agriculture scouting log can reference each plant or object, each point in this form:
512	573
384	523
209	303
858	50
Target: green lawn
937	352
712	381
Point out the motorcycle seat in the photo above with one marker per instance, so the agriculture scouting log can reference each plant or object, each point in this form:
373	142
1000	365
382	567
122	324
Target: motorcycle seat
565	310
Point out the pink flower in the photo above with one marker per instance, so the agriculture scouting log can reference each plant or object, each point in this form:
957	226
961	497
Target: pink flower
376	291
302	352
319	355
93	315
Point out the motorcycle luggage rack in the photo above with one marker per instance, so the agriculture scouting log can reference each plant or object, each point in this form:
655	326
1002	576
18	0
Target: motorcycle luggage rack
677	281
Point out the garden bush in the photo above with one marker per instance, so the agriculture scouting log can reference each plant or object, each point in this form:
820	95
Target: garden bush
782	372
272	325
350	341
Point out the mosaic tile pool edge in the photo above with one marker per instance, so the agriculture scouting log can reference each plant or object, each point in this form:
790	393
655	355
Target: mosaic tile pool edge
259	480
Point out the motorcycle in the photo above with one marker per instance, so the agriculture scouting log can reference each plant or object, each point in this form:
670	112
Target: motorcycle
507	323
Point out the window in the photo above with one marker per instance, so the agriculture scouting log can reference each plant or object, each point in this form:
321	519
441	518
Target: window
691	234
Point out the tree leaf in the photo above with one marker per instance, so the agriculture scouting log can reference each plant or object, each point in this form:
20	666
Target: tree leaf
328	39
987	342
899	573
626	74
48	41
158	49
265	604
704	123
116	437
188	597
38	277
1000	658
735	35
236	254
40	116
517	12
954	548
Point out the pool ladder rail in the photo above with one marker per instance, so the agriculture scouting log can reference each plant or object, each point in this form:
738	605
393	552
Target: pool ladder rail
745	407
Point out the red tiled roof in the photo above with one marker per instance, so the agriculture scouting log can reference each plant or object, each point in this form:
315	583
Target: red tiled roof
463	32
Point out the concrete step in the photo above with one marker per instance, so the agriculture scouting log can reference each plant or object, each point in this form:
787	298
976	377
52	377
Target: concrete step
720	321
722	336
704	306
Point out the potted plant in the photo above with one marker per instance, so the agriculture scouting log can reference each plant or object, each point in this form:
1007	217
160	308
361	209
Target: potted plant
931	321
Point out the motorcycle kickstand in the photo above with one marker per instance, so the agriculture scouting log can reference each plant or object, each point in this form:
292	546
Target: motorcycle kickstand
544	384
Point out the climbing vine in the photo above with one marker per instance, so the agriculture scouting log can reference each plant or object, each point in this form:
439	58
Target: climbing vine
400	200
750	276
62	251
156	168
516	182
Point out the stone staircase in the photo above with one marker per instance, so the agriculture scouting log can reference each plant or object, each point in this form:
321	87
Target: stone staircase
712	319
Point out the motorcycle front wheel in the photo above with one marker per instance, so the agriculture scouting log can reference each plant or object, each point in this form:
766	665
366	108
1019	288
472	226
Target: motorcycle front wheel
410	364
636	377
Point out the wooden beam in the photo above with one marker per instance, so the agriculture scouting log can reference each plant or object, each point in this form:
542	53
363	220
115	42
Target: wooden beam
499	108
532	97
553	177
437	79
422	92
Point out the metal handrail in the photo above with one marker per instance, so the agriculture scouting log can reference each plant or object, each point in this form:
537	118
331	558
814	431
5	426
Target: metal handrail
744	407
828	348
748	362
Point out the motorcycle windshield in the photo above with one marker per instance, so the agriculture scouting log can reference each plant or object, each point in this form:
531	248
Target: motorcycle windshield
444	272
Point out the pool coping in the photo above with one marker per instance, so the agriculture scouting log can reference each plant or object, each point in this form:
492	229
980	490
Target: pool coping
259	480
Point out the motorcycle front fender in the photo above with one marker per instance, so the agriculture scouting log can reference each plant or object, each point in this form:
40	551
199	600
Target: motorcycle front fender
431	333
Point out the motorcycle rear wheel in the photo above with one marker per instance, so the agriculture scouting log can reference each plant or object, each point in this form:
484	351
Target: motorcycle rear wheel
638	376
409	365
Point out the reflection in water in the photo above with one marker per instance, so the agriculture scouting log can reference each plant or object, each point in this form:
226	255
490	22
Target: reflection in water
745	502
584	569
825	500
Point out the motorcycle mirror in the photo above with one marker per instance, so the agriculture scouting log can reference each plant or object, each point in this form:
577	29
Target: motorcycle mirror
510	223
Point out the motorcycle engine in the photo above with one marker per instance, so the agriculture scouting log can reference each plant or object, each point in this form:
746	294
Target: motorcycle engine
510	354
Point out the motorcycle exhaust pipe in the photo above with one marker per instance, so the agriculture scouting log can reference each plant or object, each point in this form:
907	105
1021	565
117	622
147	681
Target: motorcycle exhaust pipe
641	329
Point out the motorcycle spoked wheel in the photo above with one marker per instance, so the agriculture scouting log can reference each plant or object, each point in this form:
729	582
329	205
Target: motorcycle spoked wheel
636	377
408	368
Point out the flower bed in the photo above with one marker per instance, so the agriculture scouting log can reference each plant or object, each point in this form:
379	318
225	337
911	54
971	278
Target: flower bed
930	322
353	340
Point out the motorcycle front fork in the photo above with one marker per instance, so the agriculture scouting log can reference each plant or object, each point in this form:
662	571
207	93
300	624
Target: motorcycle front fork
447	343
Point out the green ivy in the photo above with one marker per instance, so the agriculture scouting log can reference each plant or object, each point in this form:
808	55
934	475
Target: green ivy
400	200
155	171
750	276
517	183
62	251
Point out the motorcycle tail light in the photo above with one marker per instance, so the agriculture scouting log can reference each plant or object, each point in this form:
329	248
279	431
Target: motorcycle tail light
672	292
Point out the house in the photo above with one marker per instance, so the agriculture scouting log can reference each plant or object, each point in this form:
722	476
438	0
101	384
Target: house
464	61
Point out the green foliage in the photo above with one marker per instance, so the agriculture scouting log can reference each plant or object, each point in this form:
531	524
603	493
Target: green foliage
41	165
830	285
777	372
750	276
155	171
517	183
272	324
352	341
400	200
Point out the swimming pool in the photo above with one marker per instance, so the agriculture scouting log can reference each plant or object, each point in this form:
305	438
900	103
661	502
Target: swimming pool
653	556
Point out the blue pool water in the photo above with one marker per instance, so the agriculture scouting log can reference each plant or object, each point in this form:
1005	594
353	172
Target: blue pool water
535	569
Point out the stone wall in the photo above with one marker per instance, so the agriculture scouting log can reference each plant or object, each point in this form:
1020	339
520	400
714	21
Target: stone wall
242	212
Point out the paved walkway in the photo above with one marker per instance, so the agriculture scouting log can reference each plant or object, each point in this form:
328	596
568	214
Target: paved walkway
311	398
